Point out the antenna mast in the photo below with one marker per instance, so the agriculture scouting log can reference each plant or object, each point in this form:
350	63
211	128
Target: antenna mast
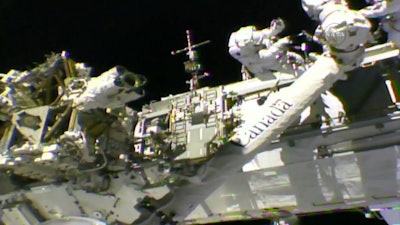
192	65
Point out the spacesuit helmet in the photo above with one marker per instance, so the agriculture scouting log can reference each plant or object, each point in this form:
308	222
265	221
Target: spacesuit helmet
277	26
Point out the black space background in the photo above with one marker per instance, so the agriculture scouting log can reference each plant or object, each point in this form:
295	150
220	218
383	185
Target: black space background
139	35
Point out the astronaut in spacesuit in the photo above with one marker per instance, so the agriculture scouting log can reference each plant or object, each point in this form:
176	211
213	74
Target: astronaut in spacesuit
343	31
389	13
262	53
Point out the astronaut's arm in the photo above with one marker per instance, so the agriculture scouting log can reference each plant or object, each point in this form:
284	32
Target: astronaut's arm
276	48
380	9
267	33
318	35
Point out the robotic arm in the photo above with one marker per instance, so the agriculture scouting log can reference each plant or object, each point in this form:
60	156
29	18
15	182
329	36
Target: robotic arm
345	33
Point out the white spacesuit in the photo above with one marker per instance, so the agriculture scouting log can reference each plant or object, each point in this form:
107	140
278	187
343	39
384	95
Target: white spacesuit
262	53
389	12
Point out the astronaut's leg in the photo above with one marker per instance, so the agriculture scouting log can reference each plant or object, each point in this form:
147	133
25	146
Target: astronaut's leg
392	28
326	111
266	75
305	114
333	110
313	114
294	64
394	35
